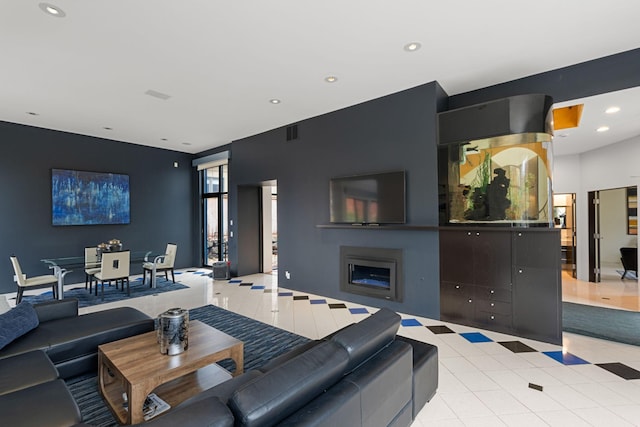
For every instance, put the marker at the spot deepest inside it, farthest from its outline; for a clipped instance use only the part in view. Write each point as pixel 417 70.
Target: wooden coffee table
pixel 136 367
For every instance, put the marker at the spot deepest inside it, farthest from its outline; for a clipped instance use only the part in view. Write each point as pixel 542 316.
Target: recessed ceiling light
pixel 31 113
pixel 412 47
pixel 331 79
pixel 612 110
pixel 107 128
pixel 163 139
pixel 602 129
pixel 52 10
pixel 275 101
pixel 186 143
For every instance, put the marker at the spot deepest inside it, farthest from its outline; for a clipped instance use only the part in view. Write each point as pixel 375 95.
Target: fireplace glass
pixel 374 272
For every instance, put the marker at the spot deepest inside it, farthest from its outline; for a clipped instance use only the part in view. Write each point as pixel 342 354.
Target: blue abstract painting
pixel 85 198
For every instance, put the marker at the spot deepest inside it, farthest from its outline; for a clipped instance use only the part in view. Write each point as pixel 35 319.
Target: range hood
pixel 513 120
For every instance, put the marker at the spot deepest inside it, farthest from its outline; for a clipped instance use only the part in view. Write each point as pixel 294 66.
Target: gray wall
pixel 162 199
pixel 396 132
pixel 393 132
pixel 607 74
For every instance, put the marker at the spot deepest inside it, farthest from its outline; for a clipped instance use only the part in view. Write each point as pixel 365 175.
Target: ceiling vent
pixel 518 119
pixel 292 132
pixel 157 94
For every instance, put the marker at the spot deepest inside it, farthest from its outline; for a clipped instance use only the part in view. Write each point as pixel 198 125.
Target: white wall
pixel 613 166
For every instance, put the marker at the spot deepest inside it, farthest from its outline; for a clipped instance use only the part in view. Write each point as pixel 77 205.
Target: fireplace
pixel 374 272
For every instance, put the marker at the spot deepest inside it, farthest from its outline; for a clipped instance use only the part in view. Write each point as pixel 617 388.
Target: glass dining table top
pixel 78 261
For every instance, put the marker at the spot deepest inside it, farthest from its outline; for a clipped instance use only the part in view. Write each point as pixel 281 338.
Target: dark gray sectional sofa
pixel 362 375
pixel 63 345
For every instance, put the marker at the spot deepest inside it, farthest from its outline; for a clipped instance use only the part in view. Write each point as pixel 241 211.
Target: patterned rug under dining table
pixel 136 367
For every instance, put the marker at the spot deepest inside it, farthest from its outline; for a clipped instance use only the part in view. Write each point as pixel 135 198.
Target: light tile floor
pixel 481 383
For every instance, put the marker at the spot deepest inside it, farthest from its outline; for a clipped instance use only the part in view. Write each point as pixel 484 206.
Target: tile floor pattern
pixel 486 378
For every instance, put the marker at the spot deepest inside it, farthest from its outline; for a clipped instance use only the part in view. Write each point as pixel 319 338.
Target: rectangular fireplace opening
pixel 375 272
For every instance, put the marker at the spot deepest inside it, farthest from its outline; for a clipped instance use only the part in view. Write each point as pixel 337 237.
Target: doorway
pixel 257 232
pixel 269 242
pixel 564 218
pixel 611 227
pixel 215 205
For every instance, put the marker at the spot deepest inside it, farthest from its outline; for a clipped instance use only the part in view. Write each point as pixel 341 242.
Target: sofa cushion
pixel 25 370
pixel 17 322
pixel 224 390
pixel 385 384
pixel 278 393
pixel 365 338
pixel 337 406
pixel 49 404
pixel 56 309
pixel 71 337
pixel 209 412
pixel 425 372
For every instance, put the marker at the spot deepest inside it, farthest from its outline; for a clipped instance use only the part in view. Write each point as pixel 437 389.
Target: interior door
pixel 594 236
pixel 249 230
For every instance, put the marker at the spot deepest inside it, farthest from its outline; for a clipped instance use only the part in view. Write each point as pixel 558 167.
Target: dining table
pixel 62 266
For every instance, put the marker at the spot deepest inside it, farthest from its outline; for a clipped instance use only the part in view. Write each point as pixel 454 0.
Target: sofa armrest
pixel 57 309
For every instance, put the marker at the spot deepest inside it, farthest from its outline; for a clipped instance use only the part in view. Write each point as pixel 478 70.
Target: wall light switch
pixel 287 275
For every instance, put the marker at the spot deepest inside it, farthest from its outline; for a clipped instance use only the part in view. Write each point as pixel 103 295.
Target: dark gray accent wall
pixel 602 75
pixel 163 206
pixel 396 132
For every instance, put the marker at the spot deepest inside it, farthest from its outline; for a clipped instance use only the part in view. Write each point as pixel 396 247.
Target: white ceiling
pixel 222 61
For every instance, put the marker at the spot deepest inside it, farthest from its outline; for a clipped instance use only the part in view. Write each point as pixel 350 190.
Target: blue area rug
pixel 111 294
pixel 262 342
pixel 599 322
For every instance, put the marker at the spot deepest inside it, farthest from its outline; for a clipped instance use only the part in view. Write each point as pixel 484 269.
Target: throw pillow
pixel 17 322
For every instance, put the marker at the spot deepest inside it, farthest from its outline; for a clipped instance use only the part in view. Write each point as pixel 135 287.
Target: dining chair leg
pixel 173 276
pixel 144 275
pixel 19 296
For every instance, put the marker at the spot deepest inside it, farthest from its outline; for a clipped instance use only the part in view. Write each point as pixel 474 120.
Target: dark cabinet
pixel 502 280
pixel 537 280
pixel 475 287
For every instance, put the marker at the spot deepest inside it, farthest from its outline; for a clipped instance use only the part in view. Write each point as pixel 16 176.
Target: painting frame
pixel 89 198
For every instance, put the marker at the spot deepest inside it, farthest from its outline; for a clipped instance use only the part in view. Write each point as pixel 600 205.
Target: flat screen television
pixel 368 199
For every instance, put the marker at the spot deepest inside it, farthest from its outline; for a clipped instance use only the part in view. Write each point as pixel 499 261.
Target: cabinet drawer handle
pixel 493 317
pixel 493 305
pixel 519 234
pixel 520 271
pixel 492 291
pixel 470 300
pixel 457 286
pixel 468 233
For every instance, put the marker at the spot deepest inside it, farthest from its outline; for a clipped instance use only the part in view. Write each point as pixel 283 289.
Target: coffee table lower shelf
pixel 173 392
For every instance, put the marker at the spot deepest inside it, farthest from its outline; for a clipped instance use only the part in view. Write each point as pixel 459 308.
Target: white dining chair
pixel 114 266
pixel 25 282
pixel 165 265
pixel 91 265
